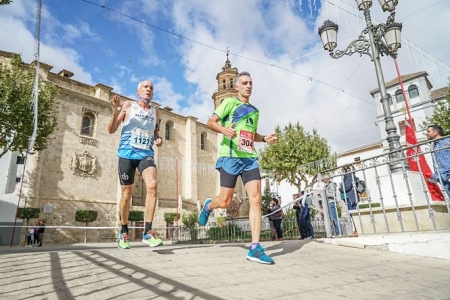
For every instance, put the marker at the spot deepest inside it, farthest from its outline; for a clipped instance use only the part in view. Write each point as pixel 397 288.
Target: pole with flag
pixel 416 162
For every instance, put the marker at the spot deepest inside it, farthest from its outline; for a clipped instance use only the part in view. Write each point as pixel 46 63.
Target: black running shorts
pixel 127 168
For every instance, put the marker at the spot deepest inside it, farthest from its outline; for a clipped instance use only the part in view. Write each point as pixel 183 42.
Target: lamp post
pixel 374 40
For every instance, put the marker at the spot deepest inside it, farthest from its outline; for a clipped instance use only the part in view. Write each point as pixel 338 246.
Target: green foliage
pixel 190 222
pixel 313 212
pixel 171 217
pixel 85 216
pixel 367 205
pixel 16 109
pixel 266 197
pixel 290 215
pixel 228 232
pixel 136 216
pixel 441 115
pixel 4 2
pixel 294 148
pixel 27 213
pixel 221 221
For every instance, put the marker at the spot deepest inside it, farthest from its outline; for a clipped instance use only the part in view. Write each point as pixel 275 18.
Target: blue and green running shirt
pixel 245 116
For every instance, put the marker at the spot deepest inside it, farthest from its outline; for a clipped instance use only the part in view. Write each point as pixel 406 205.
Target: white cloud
pixel 294 80
pixel 165 94
pixel 18 38
pixel 344 113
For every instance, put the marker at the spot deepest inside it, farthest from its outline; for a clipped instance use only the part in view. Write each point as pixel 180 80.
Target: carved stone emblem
pixel 83 164
pixel 88 141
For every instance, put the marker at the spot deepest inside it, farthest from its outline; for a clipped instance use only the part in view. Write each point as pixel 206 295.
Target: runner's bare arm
pixel 270 138
pixel 213 123
pixel 119 113
pixel 158 138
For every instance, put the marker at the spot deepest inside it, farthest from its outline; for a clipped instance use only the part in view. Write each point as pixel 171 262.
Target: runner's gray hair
pixel 244 73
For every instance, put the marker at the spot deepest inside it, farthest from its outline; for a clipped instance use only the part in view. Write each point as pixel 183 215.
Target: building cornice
pixel 362 149
pixel 405 78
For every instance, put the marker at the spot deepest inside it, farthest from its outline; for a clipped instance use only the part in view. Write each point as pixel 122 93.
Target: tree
pixel 294 149
pixel 4 2
pixel 266 197
pixel 171 217
pixel 441 115
pixel 135 216
pixel 85 216
pixel 190 222
pixel 28 213
pixel 16 109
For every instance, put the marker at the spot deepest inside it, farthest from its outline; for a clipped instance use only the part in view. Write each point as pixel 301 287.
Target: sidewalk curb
pixel 426 244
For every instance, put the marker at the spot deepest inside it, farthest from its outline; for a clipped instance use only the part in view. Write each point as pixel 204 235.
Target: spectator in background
pixel 348 192
pixel 330 192
pixel 277 217
pixel 36 234
pixel 348 188
pixel 306 214
pixel 272 226
pixel 441 155
pixel 41 229
pixel 30 236
pixel 298 207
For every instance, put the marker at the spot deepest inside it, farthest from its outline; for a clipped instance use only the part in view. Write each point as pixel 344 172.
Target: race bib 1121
pixel 141 139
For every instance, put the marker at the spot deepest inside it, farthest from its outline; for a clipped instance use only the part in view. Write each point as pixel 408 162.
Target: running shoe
pixel 123 241
pixel 258 255
pixel 150 239
pixel 204 214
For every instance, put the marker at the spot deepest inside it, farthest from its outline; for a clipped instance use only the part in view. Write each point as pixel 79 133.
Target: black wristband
pixel 264 139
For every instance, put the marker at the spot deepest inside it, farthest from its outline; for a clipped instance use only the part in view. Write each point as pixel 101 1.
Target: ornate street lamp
pixel 374 40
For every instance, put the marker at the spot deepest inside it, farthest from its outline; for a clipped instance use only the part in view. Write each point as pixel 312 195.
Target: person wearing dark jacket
pixel 348 188
pixel 298 217
pixel 41 229
pixel 349 194
pixel 277 217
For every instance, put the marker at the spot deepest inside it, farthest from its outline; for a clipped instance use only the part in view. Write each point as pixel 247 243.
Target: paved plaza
pixel 303 270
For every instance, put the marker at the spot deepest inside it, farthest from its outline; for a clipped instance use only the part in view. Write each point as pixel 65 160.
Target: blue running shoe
pixel 204 214
pixel 258 255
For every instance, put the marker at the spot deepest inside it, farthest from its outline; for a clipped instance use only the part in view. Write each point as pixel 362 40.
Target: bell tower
pixel 225 83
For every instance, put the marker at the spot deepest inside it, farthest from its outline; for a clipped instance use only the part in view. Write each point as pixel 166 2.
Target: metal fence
pixel 400 193
pixel 237 231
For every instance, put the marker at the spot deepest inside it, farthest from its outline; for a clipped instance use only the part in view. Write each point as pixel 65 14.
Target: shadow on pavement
pixel 177 286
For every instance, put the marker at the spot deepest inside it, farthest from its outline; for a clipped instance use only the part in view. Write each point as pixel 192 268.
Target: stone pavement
pixel 303 269
pixel 426 243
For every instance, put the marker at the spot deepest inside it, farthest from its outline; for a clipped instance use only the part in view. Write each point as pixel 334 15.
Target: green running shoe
pixel 123 241
pixel 150 239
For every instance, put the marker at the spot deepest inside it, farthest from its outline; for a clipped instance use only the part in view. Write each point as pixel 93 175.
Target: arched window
pixel 413 91
pixel 224 85
pixel 231 83
pixel 399 96
pixel 203 141
pixel 168 130
pixel 88 124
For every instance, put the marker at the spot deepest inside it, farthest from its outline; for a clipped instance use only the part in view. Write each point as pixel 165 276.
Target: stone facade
pixel 79 169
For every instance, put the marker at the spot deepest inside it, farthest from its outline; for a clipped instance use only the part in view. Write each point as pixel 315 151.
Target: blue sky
pixel 276 41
